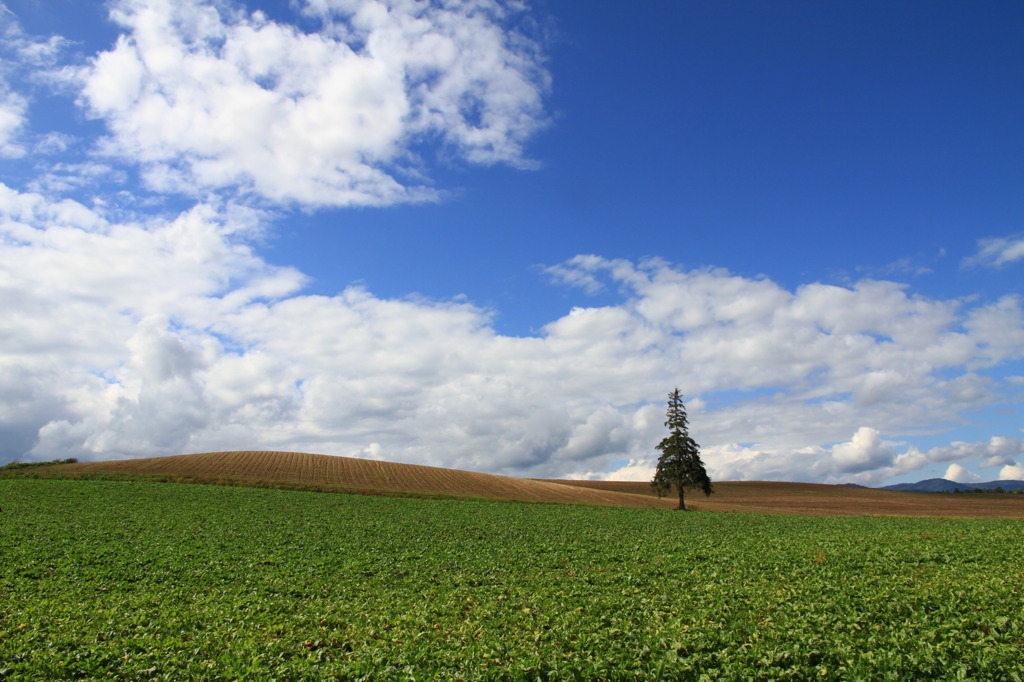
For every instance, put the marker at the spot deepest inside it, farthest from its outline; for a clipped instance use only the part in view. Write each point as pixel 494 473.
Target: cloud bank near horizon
pixel 136 331
pixel 172 335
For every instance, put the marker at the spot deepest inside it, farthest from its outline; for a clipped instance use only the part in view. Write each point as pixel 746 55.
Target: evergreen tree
pixel 679 465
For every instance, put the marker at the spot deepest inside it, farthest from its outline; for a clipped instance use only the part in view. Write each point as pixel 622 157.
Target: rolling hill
pixel 362 476
pixel 346 474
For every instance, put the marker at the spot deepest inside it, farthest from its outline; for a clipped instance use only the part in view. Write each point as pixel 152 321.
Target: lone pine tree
pixel 679 465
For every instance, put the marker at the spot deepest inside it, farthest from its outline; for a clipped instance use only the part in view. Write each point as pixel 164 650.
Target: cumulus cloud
pixel 80 297
pixel 861 459
pixel 997 451
pixel 1012 472
pixel 169 334
pixel 866 459
pixel 956 472
pixel 870 343
pixel 997 252
pixel 865 452
pixel 208 96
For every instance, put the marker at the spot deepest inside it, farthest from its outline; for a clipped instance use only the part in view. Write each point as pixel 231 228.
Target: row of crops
pixel 122 580
pixel 340 474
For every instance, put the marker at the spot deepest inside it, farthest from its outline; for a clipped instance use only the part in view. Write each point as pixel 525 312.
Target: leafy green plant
pixel 130 580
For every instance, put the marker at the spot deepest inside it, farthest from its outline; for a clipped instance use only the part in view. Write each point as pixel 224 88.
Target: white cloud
pixel 207 96
pixel 864 452
pixel 23 60
pixel 633 470
pixel 80 297
pixel 997 451
pixel 577 273
pixel 165 335
pixel 872 342
pixel 12 119
pixel 862 459
pixel 957 473
pixel 13 105
pixel 1012 472
pixel 997 252
pixel 996 323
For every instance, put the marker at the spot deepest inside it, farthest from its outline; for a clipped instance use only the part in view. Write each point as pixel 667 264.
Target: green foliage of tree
pixel 679 465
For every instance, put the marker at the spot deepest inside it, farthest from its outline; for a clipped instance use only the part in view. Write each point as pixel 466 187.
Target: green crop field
pixel 127 580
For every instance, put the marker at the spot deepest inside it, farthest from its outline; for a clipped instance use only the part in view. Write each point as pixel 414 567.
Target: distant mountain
pixel 942 485
pixel 931 485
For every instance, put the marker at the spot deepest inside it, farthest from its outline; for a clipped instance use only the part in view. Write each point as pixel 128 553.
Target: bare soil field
pixel 831 500
pixel 345 474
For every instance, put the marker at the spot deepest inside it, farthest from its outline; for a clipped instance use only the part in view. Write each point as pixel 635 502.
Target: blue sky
pixel 494 237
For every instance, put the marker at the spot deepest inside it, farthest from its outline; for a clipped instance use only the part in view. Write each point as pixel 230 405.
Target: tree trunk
pixel 682 505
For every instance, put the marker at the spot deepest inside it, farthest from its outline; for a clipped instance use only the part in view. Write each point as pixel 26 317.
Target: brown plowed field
pixel 345 474
pixel 830 500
